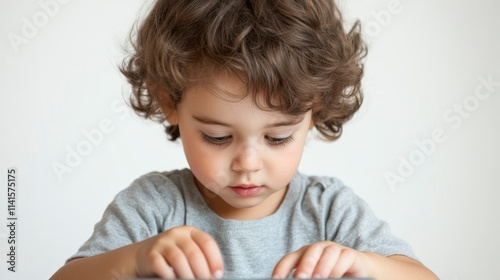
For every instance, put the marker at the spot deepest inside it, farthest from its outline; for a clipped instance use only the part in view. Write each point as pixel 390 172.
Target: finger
pixel 346 260
pixel 160 267
pixel 196 259
pixel 177 260
pixel 286 264
pixel 213 256
pixel 327 261
pixel 309 260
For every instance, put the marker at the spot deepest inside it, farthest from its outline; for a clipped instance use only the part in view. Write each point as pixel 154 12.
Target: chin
pixel 244 204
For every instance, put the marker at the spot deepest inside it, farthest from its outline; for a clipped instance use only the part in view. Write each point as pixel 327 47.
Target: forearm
pixel 398 267
pixel 114 264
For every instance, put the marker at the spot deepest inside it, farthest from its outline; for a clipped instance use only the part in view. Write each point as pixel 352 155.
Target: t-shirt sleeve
pixel 135 214
pixel 353 224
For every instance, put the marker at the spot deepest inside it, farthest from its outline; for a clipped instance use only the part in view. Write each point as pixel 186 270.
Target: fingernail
pixel 302 276
pixel 316 276
pixel 218 274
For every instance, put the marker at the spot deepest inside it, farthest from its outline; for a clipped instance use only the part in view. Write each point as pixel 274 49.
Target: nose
pixel 247 160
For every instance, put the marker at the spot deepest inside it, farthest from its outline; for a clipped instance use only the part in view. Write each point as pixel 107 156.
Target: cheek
pixel 205 163
pixel 198 159
pixel 285 164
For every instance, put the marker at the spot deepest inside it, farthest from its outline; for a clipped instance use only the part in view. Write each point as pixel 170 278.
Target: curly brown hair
pixel 295 54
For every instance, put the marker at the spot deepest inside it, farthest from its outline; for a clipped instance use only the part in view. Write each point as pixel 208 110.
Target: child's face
pixel 242 157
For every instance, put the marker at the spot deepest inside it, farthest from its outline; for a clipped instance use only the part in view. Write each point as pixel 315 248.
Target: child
pixel 242 83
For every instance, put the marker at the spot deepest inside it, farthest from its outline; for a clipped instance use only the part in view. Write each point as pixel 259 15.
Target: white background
pixel 426 58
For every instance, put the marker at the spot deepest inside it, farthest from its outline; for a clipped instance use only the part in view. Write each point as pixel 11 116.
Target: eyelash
pixel 273 141
pixel 216 141
pixel 279 142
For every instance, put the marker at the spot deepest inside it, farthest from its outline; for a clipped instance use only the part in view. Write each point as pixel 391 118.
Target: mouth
pixel 246 190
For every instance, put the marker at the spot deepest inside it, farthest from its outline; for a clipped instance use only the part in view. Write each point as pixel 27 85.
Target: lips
pixel 246 190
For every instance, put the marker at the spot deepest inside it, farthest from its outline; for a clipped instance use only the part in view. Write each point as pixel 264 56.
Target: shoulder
pixel 159 181
pixel 157 200
pixel 156 186
pixel 323 190
pixel 347 218
pixel 329 199
pixel 323 198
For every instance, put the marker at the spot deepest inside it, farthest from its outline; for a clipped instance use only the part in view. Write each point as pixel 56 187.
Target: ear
pixel 165 102
pixel 168 108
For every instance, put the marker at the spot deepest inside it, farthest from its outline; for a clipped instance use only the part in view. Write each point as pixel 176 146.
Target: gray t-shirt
pixel 314 209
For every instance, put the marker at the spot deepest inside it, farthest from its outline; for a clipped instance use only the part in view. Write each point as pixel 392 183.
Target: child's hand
pixel 323 260
pixel 181 252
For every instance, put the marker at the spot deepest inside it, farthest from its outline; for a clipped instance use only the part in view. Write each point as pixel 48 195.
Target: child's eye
pixel 218 141
pixel 277 141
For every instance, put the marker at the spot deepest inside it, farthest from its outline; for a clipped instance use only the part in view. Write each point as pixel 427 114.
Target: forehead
pixel 227 96
pixel 226 87
pixel 231 84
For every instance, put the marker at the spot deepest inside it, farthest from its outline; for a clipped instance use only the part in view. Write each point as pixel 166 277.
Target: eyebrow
pixel 209 121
